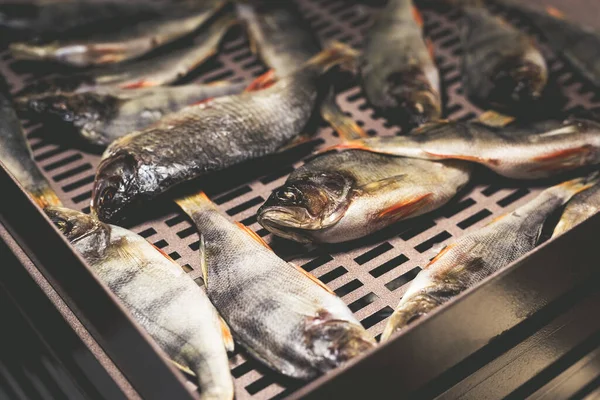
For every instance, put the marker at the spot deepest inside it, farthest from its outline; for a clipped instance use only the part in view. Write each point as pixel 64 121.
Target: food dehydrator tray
pixel 370 275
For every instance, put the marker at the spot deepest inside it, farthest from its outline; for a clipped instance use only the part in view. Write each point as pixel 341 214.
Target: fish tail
pixel 344 125
pixel 337 53
pixel 414 308
pixel 193 203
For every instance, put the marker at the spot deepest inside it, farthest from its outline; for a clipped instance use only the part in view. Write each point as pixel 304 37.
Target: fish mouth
pixel 285 222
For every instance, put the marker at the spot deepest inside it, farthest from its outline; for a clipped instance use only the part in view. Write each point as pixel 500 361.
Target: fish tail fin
pixel 414 308
pixel 337 53
pixel 45 196
pixel 191 204
pixel 344 125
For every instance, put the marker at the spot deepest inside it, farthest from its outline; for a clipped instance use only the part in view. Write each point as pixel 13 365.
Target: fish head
pixel 79 228
pixel 111 194
pixel 312 202
pixel 333 342
pixel 518 81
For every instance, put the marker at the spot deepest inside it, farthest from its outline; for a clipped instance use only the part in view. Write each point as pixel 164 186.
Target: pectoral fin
pixel 344 125
pixel 556 160
pixel 405 208
pixel 495 119
pixel 227 336
pixel 384 183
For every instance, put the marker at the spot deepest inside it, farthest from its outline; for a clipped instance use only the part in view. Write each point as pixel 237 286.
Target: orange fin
pixel 405 208
pixel 138 85
pixel 430 48
pixel 495 119
pixel 45 197
pixel 207 100
pixel 417 16
pixel 262 82
pixel 227 336
pixel 252 234
pixel 297 141
pixel 441 254
pixel 555 12
pixel 168 257
pixel 344 125
pixel 314 279
pixel 352 144
pixel 563 158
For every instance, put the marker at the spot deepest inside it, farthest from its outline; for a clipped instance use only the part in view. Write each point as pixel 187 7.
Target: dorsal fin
pixel 253 235
pixel 314 279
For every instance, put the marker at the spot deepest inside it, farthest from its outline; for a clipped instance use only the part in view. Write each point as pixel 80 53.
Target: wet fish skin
pixel 543 149
pixel 16 155
pixel 475 256
pixel 161 69
pixel 346 195
pixel 398 74
pixel 160 297
pixel 104 115
pixel 111 47
pixel 576 42
pixel 206 138
pixel 578 209
pixel 279 313
pixel 501 66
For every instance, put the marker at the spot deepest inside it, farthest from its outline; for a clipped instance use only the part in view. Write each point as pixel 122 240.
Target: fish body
pixel 104 115
pixel 206 138
pixel 345 195
pixel 580 208
pixel 475 256
pixel 160 69
pixel 120 45
pixel 16 156
pixel 501 66
pixel 279 313
pixel 578 43
pixel 399 75
pixel 536 150
pixel 160 297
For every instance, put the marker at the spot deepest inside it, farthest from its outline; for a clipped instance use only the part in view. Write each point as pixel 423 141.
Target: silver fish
pixel 106 114
pixel 345 195
pixel 475 256
pixel 281 314
pixel 160 297
pixel 16 156
pixel 529 151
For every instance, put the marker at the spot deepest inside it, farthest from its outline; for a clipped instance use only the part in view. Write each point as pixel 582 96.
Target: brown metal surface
pixel 370 275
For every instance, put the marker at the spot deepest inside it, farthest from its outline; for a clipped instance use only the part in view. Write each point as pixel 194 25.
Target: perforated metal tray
pixel 370 275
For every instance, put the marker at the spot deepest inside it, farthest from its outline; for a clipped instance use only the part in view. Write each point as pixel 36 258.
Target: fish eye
pixel 106 195
pixel 289 194
pixel 64 226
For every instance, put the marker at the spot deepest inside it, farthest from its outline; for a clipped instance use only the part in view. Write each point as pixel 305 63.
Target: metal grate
pixel 370 275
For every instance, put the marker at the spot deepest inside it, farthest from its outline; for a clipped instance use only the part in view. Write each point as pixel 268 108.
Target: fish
pixel 160 297
pixel 345 195
pixel 16 156
pixel 473 257
pixel 580 208
pixel 282 315
pixel 576 42
pixel 55 18
pixel 501 66
pixel 285 41
pixel 398 72
pixel 119 45
pixel 208 137
pixel 529 150
pixel 104 115
pixel 157 70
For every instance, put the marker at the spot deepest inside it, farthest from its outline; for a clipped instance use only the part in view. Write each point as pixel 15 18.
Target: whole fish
pixel 578 43
pixel 160 69
pixel 16 155
pixel 580 208
pixel 501 66
pixel 345 195
pixel 543 149
pixel 123 44
pixel 475 256
pixel 106 114
pixel 208 137
pixel 285 41
pixel 160 297
pixel 282 315
pixel 399 75
pixel 49 18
